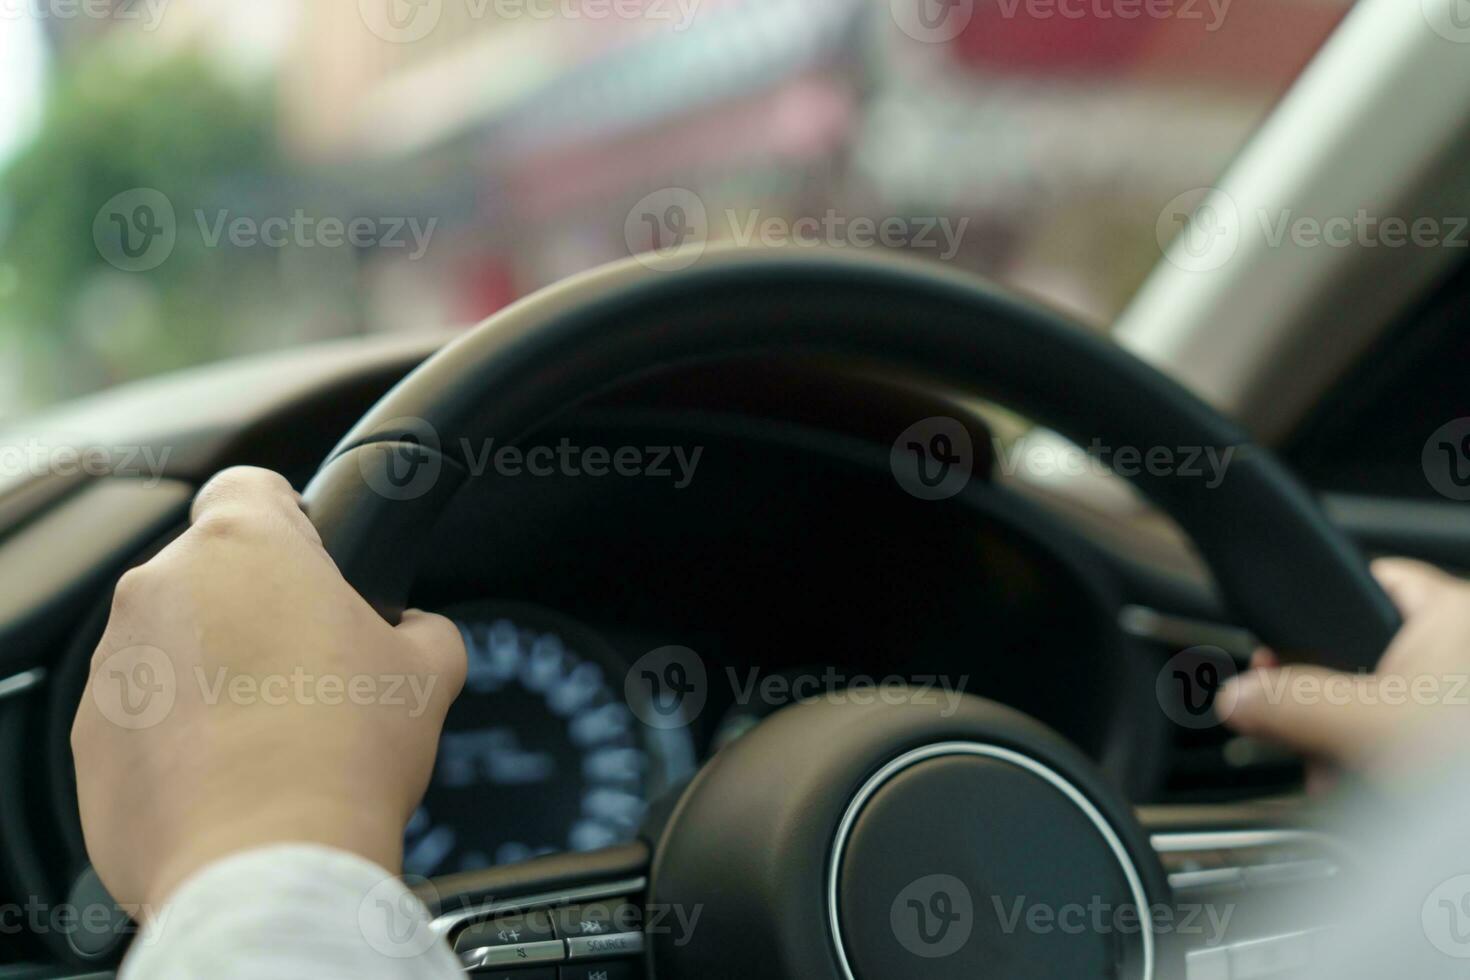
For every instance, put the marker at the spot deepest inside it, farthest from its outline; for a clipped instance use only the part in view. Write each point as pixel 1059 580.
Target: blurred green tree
pixel 114 124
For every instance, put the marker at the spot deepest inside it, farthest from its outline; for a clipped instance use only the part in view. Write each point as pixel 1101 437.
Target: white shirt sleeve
pixel 286 911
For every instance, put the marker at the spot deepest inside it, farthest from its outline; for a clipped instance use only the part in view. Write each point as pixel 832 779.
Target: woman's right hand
pixel 1354 721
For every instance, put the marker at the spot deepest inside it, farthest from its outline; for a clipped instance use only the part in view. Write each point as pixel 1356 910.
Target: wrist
pixel 356 829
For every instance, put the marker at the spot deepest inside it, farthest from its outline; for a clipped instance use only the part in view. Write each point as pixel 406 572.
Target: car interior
pixel 949 576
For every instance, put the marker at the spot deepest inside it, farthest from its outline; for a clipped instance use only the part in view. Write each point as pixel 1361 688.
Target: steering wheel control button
pixel 609 970
pixel 598 918
pixel 507 930
pixel 603 947
pixel 520 954
pixel 969 860
pixel 507 941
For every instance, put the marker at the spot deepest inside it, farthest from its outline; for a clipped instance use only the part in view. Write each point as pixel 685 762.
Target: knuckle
pixel 251 480
pixel 242 502
pixel 442 649
pixel 131 586
pixel 449 635
pixel 246 479
pixel 236 486
pixel 220 526
pixel 99 657
pixel 448 642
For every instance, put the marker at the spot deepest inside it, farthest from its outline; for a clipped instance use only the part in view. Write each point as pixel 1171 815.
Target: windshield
pixel 188 181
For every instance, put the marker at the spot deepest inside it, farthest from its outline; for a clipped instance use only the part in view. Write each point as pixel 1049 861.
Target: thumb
pixel 1413 585
pixel 1315 711
pixel 440 649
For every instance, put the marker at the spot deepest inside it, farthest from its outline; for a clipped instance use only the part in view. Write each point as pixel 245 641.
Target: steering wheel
pixel 837 842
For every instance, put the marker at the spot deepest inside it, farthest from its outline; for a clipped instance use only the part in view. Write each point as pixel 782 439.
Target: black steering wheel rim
pixel 1284 571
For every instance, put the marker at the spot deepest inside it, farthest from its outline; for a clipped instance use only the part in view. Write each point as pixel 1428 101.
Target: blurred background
pixel 485 148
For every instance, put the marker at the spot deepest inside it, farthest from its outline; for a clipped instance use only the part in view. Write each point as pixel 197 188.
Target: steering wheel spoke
pixel 573 916
pixel 1248 894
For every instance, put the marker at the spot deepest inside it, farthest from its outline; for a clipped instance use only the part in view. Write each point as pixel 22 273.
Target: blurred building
pixel 1056 136
pixel 524 132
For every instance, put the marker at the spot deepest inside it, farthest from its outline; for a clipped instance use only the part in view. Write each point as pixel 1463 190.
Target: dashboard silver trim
pixel 984 750
pixel 442 925
pixel 1147 623
pixel 1172 842
pixel 1266 873
pixel 1284 954
pixel 22 682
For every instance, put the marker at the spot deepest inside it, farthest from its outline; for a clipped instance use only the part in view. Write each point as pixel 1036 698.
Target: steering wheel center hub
pixel 889 841
pixel 962 859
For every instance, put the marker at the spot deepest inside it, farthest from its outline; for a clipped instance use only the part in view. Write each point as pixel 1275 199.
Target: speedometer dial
pixel 540 753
